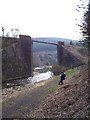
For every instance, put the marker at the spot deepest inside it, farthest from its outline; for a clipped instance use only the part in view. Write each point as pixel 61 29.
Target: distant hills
pixel 48 47
pixel 54 39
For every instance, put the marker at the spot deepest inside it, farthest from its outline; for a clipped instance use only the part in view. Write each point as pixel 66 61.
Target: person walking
pixel 62 77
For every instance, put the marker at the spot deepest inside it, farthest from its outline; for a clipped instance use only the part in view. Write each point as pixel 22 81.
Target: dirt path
pixel 27 102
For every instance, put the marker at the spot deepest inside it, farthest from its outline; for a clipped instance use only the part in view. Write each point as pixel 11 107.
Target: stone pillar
pixel 1 77
pixel 26 46
pixel 60 52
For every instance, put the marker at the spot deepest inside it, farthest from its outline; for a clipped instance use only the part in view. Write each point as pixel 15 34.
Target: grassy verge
pixel 71 72
pixel 54 84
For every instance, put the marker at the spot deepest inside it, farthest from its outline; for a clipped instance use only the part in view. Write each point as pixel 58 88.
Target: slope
pixel 69 101
pixel 80 52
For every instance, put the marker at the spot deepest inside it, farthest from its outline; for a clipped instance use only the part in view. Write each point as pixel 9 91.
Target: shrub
pixel 57 69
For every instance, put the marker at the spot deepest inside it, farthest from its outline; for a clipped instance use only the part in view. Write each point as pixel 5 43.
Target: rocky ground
pixel 14 92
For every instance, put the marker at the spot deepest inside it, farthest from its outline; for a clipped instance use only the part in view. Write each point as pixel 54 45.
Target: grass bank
pixel 52 84
pixel 71 72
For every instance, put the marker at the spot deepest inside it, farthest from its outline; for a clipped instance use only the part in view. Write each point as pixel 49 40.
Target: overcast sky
pixel 41 18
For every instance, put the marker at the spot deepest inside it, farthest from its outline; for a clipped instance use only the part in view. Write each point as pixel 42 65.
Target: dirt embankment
pixel 80 52
pixel 69 101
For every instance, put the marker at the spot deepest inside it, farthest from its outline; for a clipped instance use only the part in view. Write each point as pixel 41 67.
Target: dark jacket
pixel 63 76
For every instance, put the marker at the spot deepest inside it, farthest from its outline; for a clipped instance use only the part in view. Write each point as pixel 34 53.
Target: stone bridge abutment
pixel 17 57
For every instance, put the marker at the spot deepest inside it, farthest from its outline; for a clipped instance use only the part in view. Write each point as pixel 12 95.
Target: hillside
pixel 80 52
pixel 43 58
pixel 69 101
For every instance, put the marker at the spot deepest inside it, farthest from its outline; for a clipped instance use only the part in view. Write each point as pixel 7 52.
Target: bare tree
pixel 3 30
pixel 15 32
pixel 12 31
pixel 7 34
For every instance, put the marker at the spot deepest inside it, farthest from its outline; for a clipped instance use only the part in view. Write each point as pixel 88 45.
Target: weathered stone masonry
pixel 16 57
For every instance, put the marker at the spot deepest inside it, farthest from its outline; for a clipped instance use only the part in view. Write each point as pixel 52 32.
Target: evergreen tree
pixel 85 24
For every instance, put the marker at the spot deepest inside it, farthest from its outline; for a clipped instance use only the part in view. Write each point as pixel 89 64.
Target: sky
pixel 41 18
